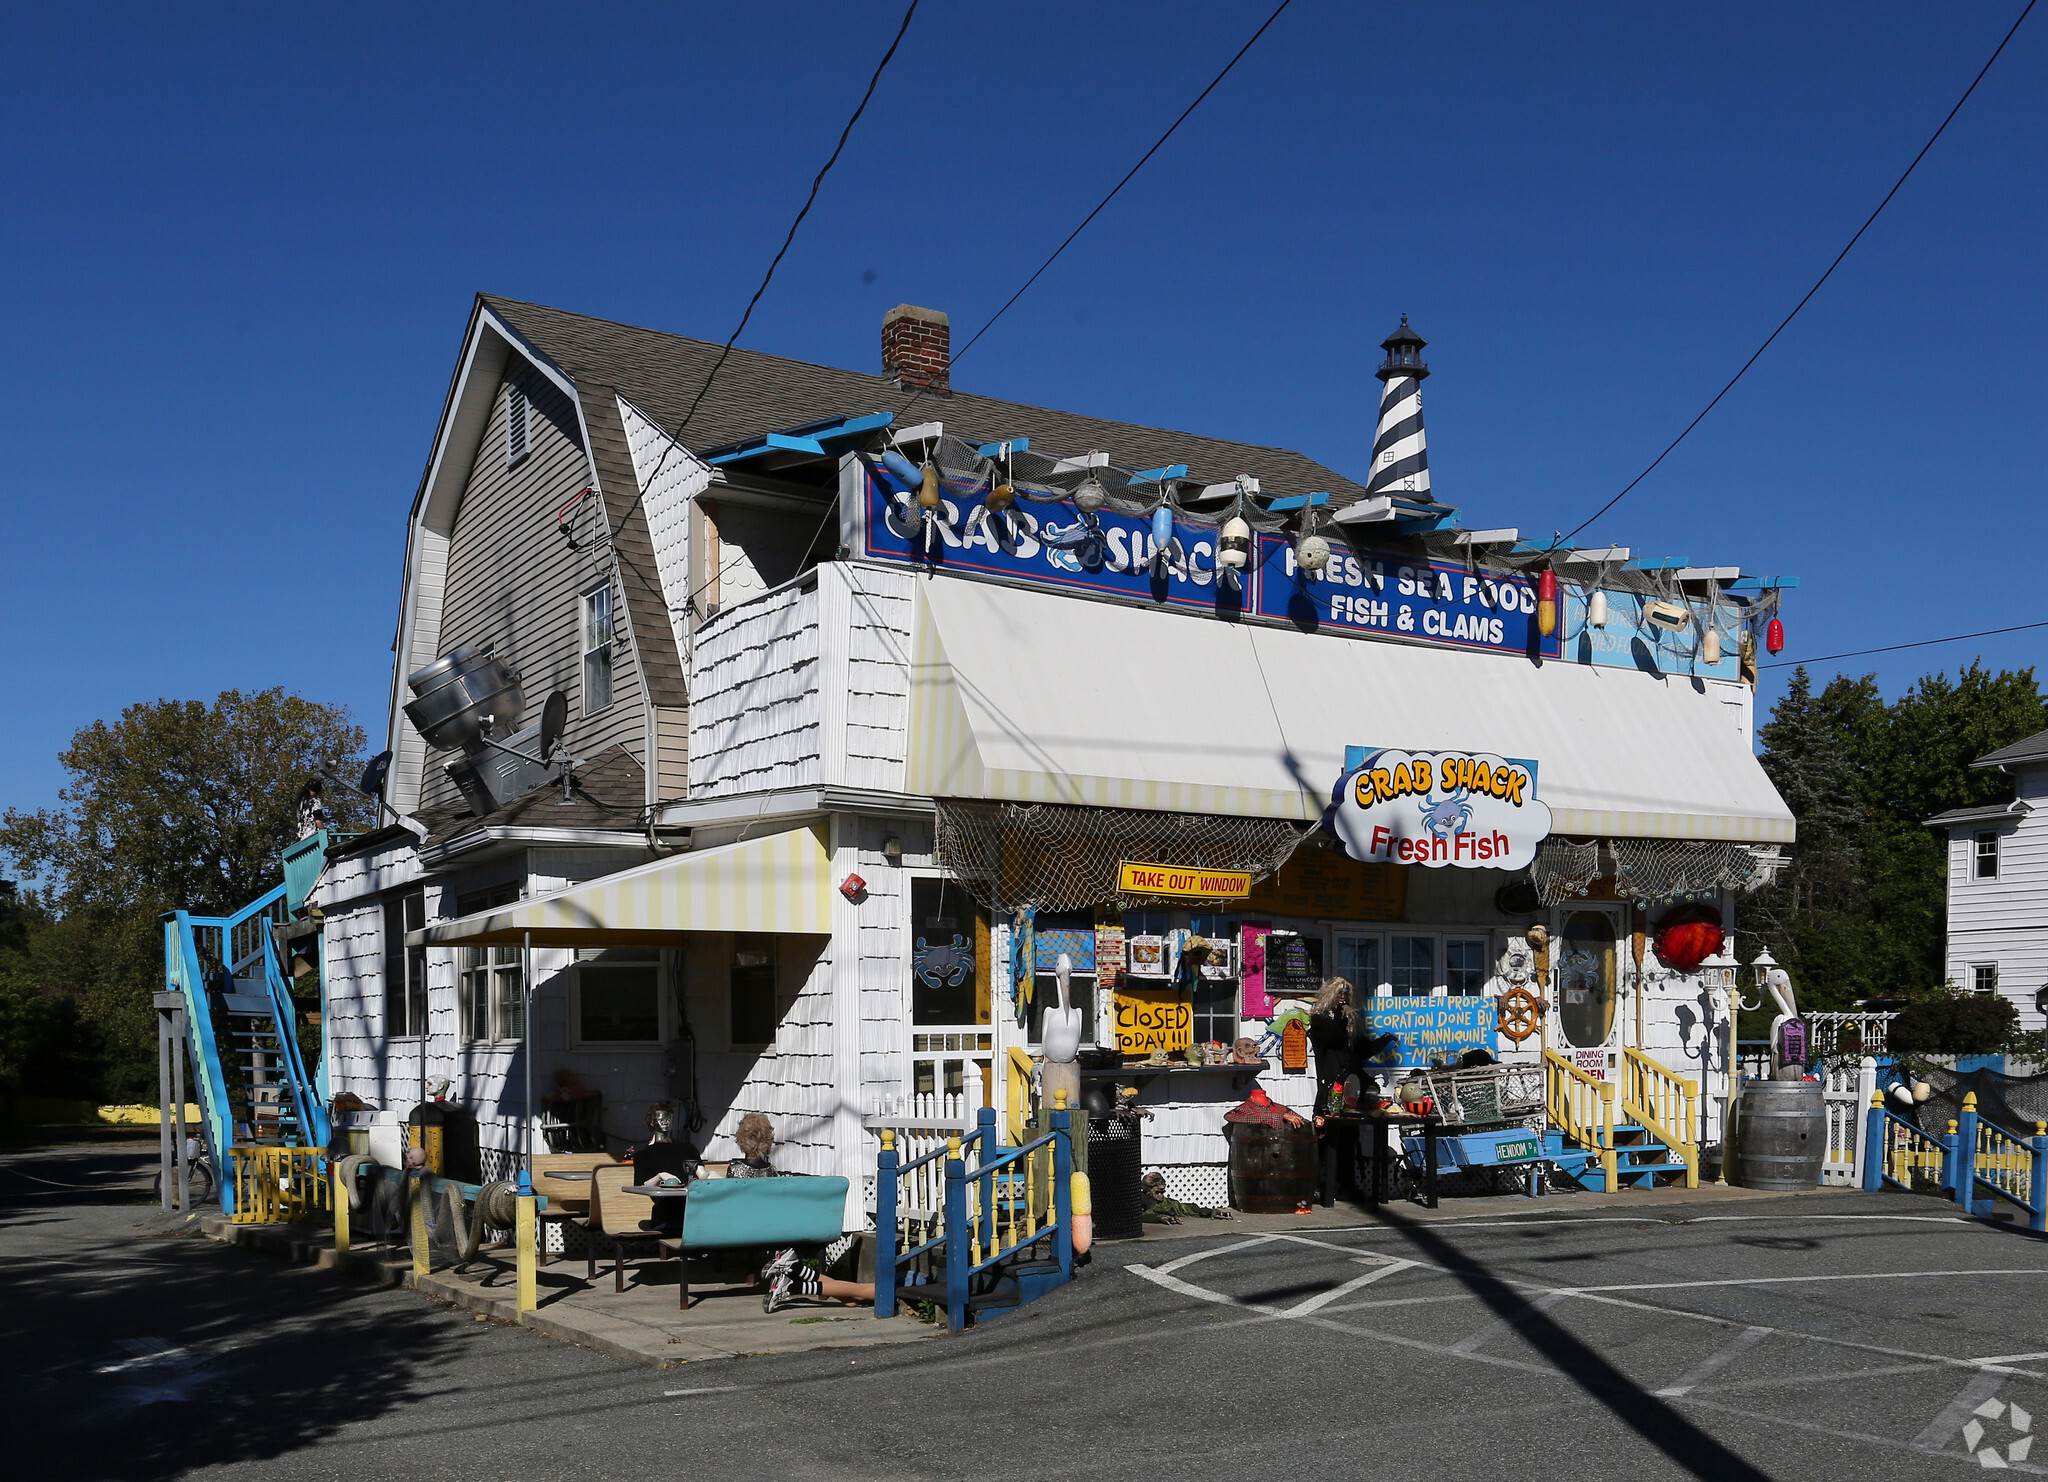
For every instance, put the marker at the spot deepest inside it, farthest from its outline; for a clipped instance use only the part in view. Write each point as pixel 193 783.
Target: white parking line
pixel 709 1389
pixel 1673 1286
pixel 1715 1362
pixel 1942 1429
pixel 1472 1342
pixel 1221 1250
pixel 1323 1299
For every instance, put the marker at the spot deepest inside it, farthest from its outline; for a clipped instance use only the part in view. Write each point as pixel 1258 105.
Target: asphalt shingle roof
pixel 756 393
pixel 2033 749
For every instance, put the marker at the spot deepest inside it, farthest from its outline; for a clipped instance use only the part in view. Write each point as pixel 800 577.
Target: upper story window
pixel 597 649
pixel 518 424
pixel 405 968
pixel 1986 867
pixel 1984 977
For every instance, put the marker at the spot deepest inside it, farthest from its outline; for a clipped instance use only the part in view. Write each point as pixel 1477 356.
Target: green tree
pixel 1861 910
pixel 178 805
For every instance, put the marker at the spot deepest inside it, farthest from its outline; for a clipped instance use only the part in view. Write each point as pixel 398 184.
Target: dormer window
pixel 518 424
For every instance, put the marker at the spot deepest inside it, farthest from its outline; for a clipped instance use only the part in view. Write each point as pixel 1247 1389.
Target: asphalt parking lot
pixel 1846 1336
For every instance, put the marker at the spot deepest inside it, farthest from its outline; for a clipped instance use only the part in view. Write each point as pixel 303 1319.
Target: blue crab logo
pixel 1448 816
pixel 1076 546
pixel 947 965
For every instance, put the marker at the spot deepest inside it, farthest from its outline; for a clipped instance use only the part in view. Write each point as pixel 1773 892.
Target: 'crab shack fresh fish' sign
pixel 1464 809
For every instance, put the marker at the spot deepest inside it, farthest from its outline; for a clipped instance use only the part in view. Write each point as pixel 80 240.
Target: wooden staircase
pixel 1650 1145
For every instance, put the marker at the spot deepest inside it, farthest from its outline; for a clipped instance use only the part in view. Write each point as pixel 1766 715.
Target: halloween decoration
pixel 1688 936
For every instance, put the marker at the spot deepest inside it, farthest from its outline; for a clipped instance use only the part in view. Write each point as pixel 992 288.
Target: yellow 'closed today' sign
pixel 1149 1019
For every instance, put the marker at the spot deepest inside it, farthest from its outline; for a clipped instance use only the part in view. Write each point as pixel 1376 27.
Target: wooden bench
pixel 568 1199
pixel 616 1219
pixel 758 1214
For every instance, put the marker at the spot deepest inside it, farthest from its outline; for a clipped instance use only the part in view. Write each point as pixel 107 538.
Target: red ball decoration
pixel 1688 936
pixel 1774 637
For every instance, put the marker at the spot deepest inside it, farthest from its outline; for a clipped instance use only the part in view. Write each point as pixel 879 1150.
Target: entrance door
pixel 1587 963
pixel 950 1031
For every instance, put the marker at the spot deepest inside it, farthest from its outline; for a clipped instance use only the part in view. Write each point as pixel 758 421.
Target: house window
pixel 1984 977
pixel 754 1009
pixel 518 424
pixel 1465 966
pixel 597 649
pixel 618 995
pixel 949 957
pixel 1072 932
pixel 1411 969
pixel 1215 1005
pixel 405 968
pixel 1987 856
pixel 493 994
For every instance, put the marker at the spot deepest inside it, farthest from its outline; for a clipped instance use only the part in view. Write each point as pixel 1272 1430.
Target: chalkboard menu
pixel 1294 965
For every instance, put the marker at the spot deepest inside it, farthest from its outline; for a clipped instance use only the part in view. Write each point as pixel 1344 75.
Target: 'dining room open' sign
pixel 1185 882
pixel 1149 1019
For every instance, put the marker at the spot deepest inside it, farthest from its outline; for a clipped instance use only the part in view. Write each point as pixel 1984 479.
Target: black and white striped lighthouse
pixel 1400 453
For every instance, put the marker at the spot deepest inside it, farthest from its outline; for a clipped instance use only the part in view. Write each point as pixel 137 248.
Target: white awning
pixel 1036 698
pixel 780 883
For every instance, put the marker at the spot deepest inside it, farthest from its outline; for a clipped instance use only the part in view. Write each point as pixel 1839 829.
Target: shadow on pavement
pixel 138 1357
pixel 1689 1448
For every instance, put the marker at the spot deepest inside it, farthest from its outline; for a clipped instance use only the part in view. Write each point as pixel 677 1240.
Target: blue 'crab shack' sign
pixel 1049 545
pixel 1464 809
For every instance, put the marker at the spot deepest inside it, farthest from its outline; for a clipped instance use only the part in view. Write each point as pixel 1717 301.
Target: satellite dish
pixel 372 785
pixel 554 715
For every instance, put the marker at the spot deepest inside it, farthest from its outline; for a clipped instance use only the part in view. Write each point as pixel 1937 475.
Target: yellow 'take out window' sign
pixel 1187 882
pixel 1149 1019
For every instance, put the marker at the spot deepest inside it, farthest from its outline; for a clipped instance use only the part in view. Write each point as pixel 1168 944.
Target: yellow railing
pixel 2003 1161
pixel 1665 1104
pixel 1582 1108
pixel 278 1185
pixel 1906 1155
pixel 1017 1067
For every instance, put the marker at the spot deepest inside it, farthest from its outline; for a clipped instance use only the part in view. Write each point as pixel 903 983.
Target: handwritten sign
pixel 1427 1029
pixel 1182 882
pixel 1294 965
pixel 1149 1019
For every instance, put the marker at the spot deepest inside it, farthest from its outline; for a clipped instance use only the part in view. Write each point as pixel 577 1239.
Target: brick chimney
pixel 917 347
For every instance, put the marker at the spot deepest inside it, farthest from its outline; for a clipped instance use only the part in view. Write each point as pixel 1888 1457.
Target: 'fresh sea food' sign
pixel 1401 596
pixel 1463 809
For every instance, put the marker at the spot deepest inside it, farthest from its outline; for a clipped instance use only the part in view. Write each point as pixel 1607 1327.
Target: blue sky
pixel 239 247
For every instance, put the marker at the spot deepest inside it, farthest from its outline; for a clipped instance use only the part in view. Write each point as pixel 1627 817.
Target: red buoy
pixel 1774 637
pixel 1546 602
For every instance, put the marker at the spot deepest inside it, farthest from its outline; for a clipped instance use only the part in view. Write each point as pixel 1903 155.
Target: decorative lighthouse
pixel 1400 454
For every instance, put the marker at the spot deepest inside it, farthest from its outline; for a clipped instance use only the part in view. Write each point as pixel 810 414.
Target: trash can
pixel 1116 1172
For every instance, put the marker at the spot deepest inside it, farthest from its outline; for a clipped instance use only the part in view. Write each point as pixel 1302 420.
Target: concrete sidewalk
pixel 641 1325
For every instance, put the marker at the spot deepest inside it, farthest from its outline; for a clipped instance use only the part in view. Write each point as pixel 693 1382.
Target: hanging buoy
pixel 1774 637
pixel 928 487
pixel 1162 527
pixel 1312 553
pixel 1546 602
pixel 1710 647
pixel 1234 545
pixel 1000 498
pixel 1596 609
pixel 904 471
pixel 1091 495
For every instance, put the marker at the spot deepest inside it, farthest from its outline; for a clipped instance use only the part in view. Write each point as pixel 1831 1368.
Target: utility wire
pixel 1129 175
pixel 1895 647
pixel 1809 292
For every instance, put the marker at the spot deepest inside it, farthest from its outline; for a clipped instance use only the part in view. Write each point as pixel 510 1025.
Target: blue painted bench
pixel 758 1214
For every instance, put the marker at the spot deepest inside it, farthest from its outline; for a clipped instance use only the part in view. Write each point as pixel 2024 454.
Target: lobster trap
pixel 1484 1095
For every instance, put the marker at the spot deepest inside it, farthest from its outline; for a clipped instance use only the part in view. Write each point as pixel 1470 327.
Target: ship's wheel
pixel 1520 1013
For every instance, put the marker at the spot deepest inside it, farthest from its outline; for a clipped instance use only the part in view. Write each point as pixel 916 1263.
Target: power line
pixel 1895 647
pixel 1809 292
pixel 1157 145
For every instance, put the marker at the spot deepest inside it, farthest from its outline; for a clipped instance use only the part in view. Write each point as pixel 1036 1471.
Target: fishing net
pixel 1059 857
pixel 2011 1103
pixel 1649 870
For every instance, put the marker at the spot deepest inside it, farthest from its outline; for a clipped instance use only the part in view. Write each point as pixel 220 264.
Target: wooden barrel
pixel 1781 1136
pixel 1272 1169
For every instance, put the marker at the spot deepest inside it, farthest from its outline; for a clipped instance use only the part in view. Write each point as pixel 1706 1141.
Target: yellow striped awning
pixel 781 883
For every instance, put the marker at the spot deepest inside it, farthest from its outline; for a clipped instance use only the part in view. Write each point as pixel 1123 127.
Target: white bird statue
pixel 1061 1035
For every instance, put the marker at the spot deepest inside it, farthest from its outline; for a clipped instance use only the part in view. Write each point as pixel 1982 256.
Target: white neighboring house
pixel 1998 885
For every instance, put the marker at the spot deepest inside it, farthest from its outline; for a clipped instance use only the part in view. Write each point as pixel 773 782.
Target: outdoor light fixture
pixel 892 849
pixel 1718 971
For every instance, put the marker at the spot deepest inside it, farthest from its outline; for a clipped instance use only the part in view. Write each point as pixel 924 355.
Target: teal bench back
pixel 728 1212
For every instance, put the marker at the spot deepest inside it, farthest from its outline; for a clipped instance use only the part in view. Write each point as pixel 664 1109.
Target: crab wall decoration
pixel 947 965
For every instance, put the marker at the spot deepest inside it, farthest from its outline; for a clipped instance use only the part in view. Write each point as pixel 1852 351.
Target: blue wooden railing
pixel 1011 1199
pixel 199 950
pixel 1974 1158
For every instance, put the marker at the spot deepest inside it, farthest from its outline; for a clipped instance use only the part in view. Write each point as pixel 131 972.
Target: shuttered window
pixel 518 423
